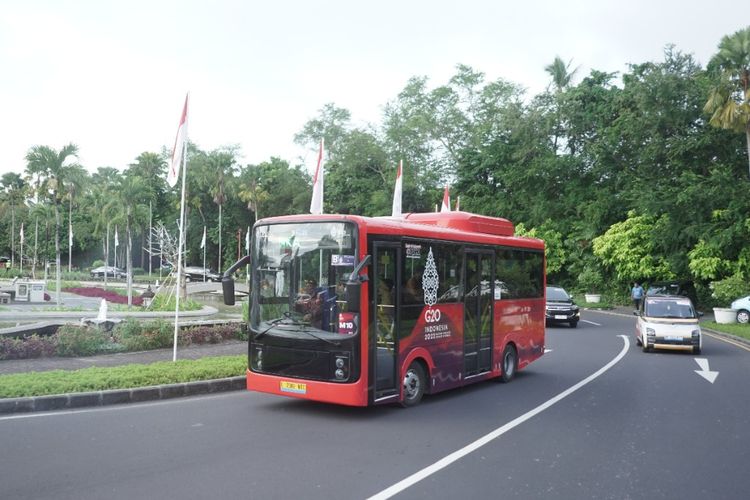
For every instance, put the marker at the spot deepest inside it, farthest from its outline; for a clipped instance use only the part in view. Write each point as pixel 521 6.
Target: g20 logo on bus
pixel 432 315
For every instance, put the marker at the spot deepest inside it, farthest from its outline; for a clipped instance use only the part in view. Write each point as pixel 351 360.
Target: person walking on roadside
pixel 636 294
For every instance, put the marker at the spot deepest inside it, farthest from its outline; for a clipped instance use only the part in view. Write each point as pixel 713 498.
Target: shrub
pixel 73 340
pixel 727 290
pixel 136 336
pixel 165 302
pixel 205 334
pixel 108 295
pixel 30 346
pixel 97 263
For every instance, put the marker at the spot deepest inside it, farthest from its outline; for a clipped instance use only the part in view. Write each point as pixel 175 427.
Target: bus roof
pixel 453 226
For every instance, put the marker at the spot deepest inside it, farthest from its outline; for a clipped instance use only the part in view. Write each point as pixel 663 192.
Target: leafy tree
pixel 628 248
pixel 729 100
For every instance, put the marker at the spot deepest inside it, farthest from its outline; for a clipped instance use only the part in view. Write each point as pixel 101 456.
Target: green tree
pixel 627 247
pixel 729 100
pixel 132 202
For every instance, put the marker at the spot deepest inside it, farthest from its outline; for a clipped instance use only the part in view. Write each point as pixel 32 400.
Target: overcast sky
pixel 111 77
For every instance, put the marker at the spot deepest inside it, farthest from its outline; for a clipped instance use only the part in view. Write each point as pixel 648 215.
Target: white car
pixel 743 309
pixel 668 322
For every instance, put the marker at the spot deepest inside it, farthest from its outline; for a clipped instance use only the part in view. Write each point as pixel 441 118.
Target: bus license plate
pixel 294 387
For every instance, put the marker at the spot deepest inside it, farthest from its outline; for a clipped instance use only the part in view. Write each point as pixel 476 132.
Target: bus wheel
pixel 414 385
pixel 510 363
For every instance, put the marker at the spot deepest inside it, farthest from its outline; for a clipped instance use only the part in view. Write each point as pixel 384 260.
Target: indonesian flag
pixel 446 207
pixel 178 151
pixel 203 241
pixel 316 204
pixel 397 191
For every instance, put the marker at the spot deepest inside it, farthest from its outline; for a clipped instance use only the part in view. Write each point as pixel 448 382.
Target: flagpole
pixel 179 252
pixel 203 244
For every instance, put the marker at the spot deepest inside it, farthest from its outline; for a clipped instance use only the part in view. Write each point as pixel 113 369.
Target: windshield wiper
pixel 274 322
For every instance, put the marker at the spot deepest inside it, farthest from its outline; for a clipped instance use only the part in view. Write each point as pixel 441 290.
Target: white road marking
pixel 704 371
pixel 590 322
pixel 487 438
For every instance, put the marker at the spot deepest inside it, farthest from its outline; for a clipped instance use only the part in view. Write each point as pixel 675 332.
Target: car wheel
pixel 414 385
pixel 645 347
pixel 696 349
pixel 743 316
pixel 574 324
pixel 510 363
pixel 637 340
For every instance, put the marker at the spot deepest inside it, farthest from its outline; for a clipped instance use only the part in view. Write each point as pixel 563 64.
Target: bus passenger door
pixel 478 296
pixel 384 311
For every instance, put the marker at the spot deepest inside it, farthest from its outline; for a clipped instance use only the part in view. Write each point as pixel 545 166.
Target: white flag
pixel 180 142
pixel 21 233
pixel 247 240
pixel 397 191
pixel 316 204
pixel 70 236
pixel 203 241
pixel 117 242
pixel 446 207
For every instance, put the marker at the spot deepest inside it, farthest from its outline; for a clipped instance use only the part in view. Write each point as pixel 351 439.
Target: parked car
pixel 198 273
pixel 743 309
pixel 668 322
pixel 560 307
pixel 111 271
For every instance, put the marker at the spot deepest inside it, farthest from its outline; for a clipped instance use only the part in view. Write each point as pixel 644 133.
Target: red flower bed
pixel 110 296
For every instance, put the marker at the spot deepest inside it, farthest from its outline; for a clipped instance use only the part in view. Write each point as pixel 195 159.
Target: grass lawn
pixel 120 377
pixel 731 328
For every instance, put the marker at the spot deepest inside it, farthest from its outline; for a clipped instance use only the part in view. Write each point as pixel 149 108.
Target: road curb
pixel 119 396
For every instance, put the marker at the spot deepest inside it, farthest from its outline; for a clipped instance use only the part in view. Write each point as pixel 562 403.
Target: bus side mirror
pixel 227 288
pixel 227 281
pixel 354 286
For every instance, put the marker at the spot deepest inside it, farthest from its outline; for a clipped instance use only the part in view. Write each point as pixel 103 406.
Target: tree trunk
pixel 58 278
pixel 129 263
pixel 747 137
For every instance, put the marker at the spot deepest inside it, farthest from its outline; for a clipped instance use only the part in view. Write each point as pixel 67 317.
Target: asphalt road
pixel 594 418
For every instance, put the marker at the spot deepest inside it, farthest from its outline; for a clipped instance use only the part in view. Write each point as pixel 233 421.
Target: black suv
pixel 561 308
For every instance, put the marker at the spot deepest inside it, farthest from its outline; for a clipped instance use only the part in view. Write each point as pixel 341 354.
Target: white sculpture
pixel 102 316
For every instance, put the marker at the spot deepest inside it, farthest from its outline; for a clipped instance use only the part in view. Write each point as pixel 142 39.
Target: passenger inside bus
pixel 309 302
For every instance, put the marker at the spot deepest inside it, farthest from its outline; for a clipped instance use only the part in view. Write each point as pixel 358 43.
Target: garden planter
pixel 593 298
pixel 725 315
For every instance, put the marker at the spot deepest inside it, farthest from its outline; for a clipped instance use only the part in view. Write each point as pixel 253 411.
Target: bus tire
pixel 510 363
pixel 414 385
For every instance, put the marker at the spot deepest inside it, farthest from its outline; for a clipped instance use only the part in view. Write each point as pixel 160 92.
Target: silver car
pixel 668 322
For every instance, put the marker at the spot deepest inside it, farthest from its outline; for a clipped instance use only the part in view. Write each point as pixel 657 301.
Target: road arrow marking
pixel 704 371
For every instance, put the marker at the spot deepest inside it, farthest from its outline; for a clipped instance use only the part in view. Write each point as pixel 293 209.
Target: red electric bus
pixel 362 311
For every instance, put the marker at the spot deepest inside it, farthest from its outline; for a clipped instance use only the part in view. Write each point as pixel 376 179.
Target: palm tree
pixel 561 78
pixel 729 101
pixel 46 213
pixel 132 193
pixel 253 193
pixel 48 168
pixel 219 165
pixel 75 179
pixel 13 189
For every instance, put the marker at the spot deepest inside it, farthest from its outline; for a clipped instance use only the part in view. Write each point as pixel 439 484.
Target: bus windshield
pixel 299 274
